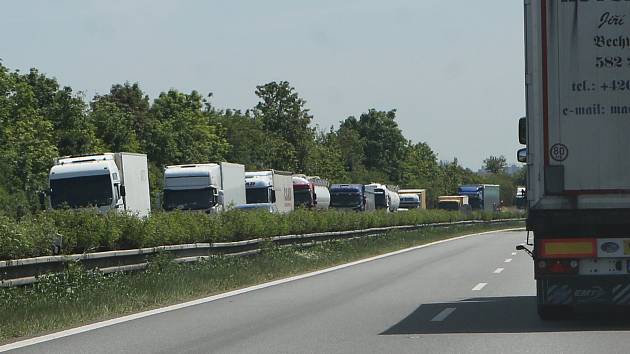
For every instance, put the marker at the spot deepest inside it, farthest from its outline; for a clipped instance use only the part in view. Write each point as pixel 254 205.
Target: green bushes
pixel 88 231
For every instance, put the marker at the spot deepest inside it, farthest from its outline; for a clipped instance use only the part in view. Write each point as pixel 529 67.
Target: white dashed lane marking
pixel 479 286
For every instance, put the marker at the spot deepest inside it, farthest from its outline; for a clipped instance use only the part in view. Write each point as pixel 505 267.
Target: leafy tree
pixel 26 142
pixel 451 175
pixel 419 168
pixel 282 112
pixel 382 141
pixel 73 132
pixel 494 164
pixel 350 144
pixel 325 160
pixel 114 127
pixel 130 99
pixel 254 147
pixel 182 133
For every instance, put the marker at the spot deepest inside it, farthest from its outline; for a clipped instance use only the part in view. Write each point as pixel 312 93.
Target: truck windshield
pixel 77 192
pixel 189 199
pixel 379 198
pixel 448 205
pixel 257 195
pixel 345 199
pixel 302 197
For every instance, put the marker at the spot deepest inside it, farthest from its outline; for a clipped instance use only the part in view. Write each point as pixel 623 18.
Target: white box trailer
pixel 283 189
pixel 211 187
pixel 110 181
pixel 271 190
pixel 578 171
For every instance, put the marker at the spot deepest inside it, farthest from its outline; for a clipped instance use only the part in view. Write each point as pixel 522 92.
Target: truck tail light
pixel 557 266
pixel 569 248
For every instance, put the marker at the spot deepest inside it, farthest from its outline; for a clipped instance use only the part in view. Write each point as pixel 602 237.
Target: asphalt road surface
pixel 473 295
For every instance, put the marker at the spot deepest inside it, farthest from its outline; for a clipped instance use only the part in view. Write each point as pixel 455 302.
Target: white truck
pixel 209 187
pixel 271 190
pixel 410 203
pixel 110 181
pixel 385 197
pixel 578 171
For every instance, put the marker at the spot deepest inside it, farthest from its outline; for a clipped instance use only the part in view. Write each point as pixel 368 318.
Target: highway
pixel 471 295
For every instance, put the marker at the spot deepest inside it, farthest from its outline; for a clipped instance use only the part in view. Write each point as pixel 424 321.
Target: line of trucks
pixel 119 181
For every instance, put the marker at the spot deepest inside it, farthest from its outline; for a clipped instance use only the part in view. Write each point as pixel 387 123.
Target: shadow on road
pixel 501 315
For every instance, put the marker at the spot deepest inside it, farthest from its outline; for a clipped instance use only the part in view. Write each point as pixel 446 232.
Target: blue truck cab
pixel 484 197
pixel 352 197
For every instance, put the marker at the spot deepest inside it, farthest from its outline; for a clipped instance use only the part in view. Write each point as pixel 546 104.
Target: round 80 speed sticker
pixel 559 152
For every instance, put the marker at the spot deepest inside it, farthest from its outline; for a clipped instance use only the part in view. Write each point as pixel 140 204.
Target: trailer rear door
pixel 586 85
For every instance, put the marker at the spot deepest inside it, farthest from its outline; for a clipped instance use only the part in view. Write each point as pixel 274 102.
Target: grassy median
pixel 79 297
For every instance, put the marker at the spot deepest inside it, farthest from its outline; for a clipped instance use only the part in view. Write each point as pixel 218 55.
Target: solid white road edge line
pixel 479 286
pixel 498 270
pixel 97 325
pixel 443 314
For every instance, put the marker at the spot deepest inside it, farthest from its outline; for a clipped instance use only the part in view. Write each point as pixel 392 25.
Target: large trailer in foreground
pixel 576 132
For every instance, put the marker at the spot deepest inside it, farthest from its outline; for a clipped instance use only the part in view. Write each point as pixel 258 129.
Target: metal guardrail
pixel 28 270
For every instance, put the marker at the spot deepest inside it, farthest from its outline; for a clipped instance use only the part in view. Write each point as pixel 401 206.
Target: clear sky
pixel 452 69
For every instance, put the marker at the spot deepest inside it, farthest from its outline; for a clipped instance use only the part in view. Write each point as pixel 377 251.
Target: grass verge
pixel 78 297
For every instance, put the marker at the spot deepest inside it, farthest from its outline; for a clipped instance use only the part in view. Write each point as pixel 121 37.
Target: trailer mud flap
pixel 584 291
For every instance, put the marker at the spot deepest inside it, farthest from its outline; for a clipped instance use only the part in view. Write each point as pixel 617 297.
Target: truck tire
pixel 553 313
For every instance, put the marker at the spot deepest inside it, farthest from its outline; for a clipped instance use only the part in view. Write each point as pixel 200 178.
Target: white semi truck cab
pixel 109 181
pixel 271 187
pixel 210 187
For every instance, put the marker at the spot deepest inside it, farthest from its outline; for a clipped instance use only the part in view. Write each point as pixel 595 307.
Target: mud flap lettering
pixel 621 294
pixel 559 295
pixel 582 292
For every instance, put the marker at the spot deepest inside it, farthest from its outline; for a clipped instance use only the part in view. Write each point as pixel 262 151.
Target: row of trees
pixel 39 120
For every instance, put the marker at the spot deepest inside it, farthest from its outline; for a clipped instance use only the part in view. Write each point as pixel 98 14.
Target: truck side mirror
pixel 522 131
pixel 521 155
